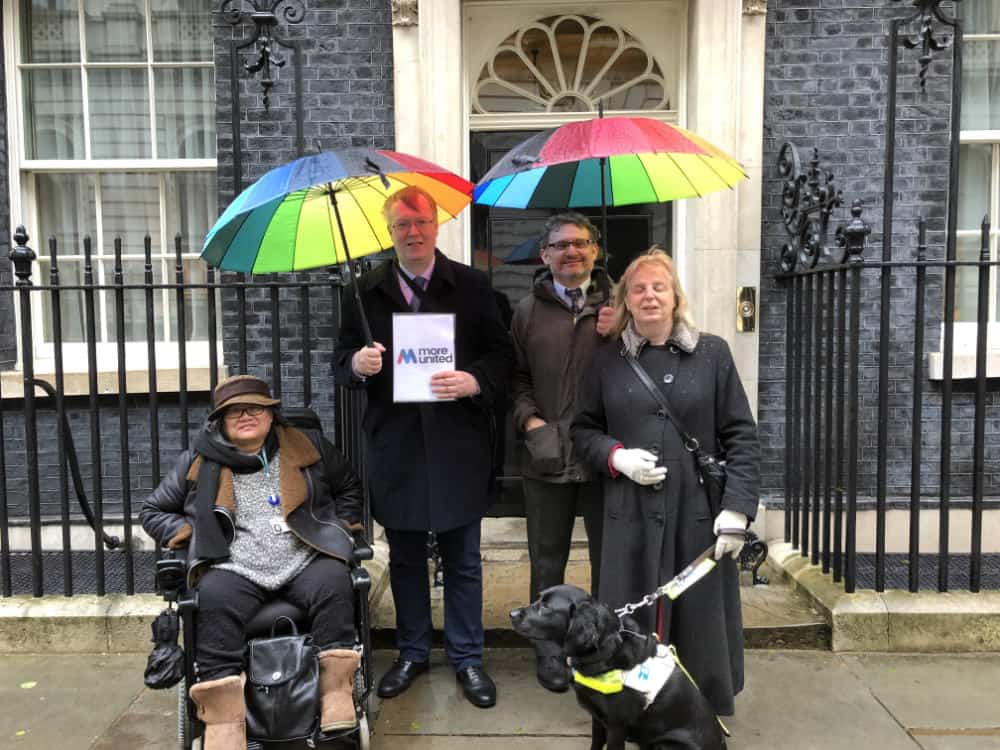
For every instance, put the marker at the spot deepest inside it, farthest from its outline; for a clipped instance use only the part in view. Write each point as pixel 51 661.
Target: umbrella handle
pixel 362 315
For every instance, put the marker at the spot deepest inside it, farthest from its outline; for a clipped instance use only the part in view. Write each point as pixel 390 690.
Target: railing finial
pixel 22 256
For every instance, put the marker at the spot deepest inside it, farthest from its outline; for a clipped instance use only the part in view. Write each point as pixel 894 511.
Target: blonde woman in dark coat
pixel 656 513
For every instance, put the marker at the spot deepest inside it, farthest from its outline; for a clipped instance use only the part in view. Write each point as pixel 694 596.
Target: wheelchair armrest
pixel 170 575
pixel 362 549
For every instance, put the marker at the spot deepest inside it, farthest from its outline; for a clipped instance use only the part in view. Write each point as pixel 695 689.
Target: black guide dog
pixel 598 645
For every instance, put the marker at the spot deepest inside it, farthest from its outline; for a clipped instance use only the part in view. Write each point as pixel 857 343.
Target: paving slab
pixel 435 705
pixel 809 700
pixel 910 686
pixel 65 701
pixel 150 723
pixel 956 742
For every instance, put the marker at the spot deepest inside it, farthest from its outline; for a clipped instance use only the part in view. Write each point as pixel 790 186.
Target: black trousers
pixel 551 510
pixel 227 601
pixel 463 594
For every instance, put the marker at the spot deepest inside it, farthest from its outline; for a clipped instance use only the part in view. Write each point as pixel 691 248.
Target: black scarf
pixel 216 452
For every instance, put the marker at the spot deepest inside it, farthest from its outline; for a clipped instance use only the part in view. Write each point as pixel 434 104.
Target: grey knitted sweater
pixel 264 551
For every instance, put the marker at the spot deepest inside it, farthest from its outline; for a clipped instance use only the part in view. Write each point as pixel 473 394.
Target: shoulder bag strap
pixel 690 442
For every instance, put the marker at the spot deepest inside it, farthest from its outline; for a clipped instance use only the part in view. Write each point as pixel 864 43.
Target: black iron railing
pixel 271 328
pixel 835 411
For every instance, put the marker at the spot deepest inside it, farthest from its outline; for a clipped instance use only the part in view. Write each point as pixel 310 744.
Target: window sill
pixel 136 382
pixel 963 365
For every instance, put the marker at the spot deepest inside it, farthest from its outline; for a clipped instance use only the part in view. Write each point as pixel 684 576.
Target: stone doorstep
pixel 894 621
pixel 109 624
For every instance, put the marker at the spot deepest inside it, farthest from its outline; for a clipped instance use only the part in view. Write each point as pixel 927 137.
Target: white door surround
pixel 439 48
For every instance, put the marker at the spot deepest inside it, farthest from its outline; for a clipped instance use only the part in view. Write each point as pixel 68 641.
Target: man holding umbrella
pixel 431 463
pixel 556 329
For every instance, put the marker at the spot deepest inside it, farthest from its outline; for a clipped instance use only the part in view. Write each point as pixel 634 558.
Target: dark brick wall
pixel 825 87
pixel 139 450
pixel 346 48
pixel 8 340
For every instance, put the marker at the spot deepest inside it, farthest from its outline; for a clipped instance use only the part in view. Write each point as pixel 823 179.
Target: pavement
pixel 794 700
pixel 824 670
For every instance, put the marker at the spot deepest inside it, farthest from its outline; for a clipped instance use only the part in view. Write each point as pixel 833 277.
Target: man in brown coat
pixel 556 329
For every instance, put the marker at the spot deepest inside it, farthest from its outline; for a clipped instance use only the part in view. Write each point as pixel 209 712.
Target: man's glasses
pixel 564 245
pixel 235 412
pixel 406 224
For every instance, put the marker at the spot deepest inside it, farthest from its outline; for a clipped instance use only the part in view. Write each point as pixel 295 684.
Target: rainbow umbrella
pixel 607 161
pixel 324 209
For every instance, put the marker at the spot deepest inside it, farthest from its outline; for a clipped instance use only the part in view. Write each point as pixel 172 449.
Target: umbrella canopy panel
pixel 285 221
pixel 646 161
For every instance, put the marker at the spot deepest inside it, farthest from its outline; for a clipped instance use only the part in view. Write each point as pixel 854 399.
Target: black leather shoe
pixel 553 674
pixel 400 676
pixel 477 686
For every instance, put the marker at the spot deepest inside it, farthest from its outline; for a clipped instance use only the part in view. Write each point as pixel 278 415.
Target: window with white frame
pixel 979 167
pixel 113 136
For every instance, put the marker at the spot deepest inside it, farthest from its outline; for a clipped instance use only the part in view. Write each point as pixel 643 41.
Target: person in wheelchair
pixel 264 510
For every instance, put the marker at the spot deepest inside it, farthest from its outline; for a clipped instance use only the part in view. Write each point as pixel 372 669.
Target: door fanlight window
pixel 570 63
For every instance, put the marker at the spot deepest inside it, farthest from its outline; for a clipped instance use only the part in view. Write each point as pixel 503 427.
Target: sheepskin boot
pixel 336 688
pixel 222 708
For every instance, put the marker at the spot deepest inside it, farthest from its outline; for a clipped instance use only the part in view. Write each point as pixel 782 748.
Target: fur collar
pixel 683 336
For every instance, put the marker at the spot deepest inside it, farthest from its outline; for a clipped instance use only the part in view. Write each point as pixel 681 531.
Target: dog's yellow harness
pixel 647 678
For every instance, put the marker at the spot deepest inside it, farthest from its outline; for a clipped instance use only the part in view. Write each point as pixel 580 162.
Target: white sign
pixel 423 344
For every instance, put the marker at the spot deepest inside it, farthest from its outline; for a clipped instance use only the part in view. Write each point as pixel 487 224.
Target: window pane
pixel 980 16
pixel 975 164
pixel 133 272
pixel 70 303
pixel 66 211
pixel 191 208
pixel 119 114
pixel 196 304
pixel 116 31
pixel 53 113
pixel 50 31
pixel 981 86
pixel 967 279
pixel 182 30
pixel 130 207
pixel 185 113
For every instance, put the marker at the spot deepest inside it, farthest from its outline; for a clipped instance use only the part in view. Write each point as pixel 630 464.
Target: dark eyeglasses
pixel 564 245
pixel 235 412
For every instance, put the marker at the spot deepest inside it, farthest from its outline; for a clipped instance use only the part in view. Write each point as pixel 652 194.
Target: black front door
pixel 500 233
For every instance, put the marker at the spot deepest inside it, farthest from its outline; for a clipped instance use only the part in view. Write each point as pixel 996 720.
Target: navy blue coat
pixel 430 465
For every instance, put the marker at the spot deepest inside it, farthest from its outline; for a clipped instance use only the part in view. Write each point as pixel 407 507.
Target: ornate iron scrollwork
pixel 928 11
pixel 265 16
pixel 752 556
pixel 807 200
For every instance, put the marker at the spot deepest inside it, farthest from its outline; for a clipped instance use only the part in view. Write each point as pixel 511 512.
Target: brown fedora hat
pixel 241 389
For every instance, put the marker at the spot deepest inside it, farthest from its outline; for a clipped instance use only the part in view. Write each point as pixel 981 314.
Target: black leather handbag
pixel 282 688
pixel 711 467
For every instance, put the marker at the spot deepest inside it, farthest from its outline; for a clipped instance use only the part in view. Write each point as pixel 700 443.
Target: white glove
pixel 638 465
pixel 729 543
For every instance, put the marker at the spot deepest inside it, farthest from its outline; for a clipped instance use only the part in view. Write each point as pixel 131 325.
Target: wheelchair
pixel 171 577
